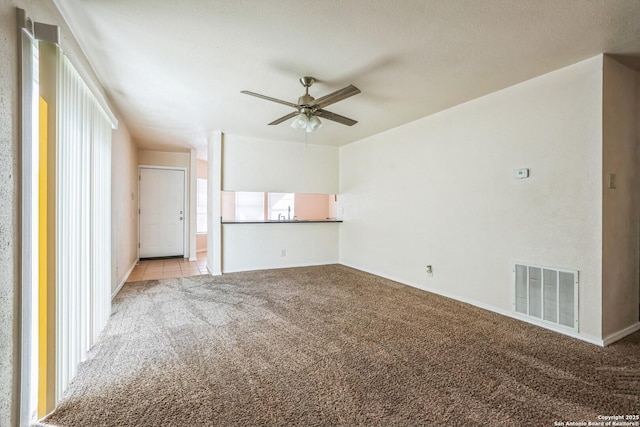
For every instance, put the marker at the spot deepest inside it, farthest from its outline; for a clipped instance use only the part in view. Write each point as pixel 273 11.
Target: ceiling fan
pixel 308 109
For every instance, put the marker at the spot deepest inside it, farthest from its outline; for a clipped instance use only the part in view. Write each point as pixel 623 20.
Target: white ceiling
pixel 175 69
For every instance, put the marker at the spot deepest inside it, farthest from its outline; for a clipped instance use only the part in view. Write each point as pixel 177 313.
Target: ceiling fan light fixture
pixel 300 121
pixel 314 124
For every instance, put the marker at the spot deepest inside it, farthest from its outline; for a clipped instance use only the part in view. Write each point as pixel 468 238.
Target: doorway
pixel 162 212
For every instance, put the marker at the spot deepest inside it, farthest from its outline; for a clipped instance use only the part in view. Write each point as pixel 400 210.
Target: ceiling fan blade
pixel 284 118
pixel 336 96
pixel 268 98
pixel 335 117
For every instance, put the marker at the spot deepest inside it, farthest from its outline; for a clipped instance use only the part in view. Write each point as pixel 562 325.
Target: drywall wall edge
pixel 616 336
pixel 124 280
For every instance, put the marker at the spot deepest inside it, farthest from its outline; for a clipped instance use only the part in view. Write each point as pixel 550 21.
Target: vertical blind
pixel 83 220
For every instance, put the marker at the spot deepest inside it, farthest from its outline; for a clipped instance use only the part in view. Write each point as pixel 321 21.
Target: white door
pixel 161 212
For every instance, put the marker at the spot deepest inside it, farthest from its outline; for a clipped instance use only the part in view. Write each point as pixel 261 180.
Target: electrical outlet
pixel 283 252
pixel 429 270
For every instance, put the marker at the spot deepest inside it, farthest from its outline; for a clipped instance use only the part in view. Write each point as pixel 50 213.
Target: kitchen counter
pixel 286 221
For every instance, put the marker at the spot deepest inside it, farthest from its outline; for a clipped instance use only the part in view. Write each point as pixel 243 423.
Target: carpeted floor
pixel 330 345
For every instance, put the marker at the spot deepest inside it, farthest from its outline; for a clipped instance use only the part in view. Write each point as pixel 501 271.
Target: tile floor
pixel 169 268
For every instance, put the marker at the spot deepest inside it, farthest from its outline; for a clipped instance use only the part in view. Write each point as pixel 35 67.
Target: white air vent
pixel 548 295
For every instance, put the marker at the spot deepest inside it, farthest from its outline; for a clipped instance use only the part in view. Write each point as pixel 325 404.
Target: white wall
pixel 251 164
pixel 201 172
pixel 124 206
pixel 201 169
pixel 441 191
pixel 260 246
pixel 163 158
pixel 621 205
pixel 193 195
pixel 214 185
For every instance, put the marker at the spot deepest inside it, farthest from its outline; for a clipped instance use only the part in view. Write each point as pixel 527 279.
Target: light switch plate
pixel 521 173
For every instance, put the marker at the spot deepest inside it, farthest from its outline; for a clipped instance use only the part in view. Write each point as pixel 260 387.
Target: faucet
pixel 280 217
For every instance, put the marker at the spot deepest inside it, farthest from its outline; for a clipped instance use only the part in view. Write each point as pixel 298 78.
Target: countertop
pixel 286 221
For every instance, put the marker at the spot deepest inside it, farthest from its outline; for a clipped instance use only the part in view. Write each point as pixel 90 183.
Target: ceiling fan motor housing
pixel 305 100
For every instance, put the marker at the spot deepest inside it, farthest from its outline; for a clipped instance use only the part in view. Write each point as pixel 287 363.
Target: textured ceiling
pixel 175 69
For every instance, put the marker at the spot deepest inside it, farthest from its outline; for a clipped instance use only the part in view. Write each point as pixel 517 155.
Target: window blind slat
pixel 83 211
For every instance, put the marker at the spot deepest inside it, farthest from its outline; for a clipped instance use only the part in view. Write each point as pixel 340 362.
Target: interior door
pixel 161 212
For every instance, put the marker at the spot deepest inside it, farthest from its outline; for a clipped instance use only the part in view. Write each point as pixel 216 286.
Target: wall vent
pixel 546 294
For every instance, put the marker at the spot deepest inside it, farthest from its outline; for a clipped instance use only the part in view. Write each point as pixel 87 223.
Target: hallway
pixel 169 268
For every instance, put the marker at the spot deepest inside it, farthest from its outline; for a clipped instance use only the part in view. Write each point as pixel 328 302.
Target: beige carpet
pixel 330 345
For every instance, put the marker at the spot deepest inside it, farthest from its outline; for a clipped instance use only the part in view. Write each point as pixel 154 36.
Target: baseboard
pixel 277 267
pixel 559 329
pixel 212 273
pixel 621 334
pixel 124 280
pixel 488 307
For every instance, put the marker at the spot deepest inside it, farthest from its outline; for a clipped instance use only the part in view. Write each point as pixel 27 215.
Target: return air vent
pixel 548 295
